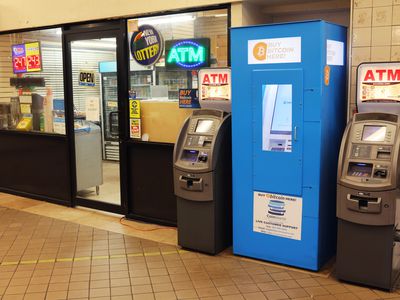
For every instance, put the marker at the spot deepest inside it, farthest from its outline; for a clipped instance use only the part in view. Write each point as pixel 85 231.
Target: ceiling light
pixel 94 44
pixel 166 20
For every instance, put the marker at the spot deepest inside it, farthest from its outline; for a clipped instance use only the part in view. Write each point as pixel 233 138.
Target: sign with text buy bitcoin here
pixel 274 51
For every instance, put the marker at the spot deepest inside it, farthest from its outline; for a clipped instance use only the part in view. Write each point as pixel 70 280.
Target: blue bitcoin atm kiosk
pixel 288 116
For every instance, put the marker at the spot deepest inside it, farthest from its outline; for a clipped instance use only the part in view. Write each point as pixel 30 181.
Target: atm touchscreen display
pixel 204 125
pixel 373 133
pixel 358 169
pixel 190 155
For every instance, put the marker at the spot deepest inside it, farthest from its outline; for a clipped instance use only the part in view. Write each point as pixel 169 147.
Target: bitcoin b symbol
pixel 260 51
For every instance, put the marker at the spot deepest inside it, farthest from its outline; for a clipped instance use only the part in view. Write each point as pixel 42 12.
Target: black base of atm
pixel 367 255
pixel 203 226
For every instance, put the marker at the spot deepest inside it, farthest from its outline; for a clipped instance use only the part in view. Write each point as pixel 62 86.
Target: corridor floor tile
pixel 48 258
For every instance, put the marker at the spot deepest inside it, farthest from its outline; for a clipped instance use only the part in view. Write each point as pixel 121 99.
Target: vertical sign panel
pixel 33 57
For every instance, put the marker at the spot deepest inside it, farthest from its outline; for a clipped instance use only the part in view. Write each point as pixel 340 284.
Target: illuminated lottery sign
pixel 187 54
pixel 147 45
pixel 26 58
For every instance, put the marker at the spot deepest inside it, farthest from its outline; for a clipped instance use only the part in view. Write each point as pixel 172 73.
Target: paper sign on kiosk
pixel 278 215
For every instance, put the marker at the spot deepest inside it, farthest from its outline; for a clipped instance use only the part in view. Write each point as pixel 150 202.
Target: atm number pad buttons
pixel 361 151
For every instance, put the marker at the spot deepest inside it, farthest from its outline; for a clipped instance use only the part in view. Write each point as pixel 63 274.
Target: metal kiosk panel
pixel 284 152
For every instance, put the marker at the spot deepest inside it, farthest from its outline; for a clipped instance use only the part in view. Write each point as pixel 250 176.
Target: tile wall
pixel 375 35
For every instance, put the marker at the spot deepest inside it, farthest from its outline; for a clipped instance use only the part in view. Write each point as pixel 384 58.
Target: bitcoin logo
pixel 260 51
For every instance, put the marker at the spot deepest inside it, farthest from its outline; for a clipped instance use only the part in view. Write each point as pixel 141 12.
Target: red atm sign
pixel 215 78
pixel 382 75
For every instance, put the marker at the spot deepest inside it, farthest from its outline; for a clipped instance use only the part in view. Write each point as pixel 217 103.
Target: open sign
pixel 87 78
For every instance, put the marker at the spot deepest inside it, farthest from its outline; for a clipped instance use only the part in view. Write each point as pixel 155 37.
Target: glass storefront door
pixel 96 99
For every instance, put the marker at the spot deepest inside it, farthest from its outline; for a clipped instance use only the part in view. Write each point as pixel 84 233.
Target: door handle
pixel 295 134
pixel 110 122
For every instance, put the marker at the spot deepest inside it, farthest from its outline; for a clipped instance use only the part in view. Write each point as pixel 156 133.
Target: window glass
pixel 31 81
pixel 277 117
pixel 191 41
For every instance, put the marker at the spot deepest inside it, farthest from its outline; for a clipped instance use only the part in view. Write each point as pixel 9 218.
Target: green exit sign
pixel 189 54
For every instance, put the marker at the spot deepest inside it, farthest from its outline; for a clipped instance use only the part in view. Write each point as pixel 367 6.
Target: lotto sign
pixel 87 78
pixel 215 84
pixel 147 45
pixel 379 82
pixel 33 59
pixel 134 109
pixel 26 58
pixel 135 130
pixel 274 51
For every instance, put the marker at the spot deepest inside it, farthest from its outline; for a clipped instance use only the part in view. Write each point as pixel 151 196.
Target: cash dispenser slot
pixel 364 204
pixel 190 183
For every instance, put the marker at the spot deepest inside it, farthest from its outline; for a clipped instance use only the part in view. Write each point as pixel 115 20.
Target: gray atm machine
pixel 203 181
pixel 367 190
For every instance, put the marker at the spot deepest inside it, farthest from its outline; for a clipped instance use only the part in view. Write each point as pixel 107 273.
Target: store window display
pixel 166 53
pixel 31 82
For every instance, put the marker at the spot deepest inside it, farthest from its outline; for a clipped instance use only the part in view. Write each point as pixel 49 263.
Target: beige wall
pixel 336 11
pixel 46 12
pixel 375 30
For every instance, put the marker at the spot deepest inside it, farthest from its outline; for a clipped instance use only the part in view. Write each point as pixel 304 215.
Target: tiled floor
pixel 100 220
pixel 47 258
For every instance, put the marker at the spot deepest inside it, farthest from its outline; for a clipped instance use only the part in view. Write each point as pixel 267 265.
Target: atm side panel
pixel 241 142
pixel 333 122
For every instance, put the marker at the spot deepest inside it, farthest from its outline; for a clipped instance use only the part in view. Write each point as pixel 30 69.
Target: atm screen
pixel 190 155
pixel 204 126
pixel 359 169
pixel 372 133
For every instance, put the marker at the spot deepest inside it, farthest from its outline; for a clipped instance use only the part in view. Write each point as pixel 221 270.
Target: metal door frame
pixel 107 29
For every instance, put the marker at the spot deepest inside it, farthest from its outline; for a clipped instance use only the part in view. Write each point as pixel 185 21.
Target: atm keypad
pixel 361 151
pixel 199 141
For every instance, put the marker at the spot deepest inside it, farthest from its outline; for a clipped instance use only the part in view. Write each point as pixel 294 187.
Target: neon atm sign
pixel 187 54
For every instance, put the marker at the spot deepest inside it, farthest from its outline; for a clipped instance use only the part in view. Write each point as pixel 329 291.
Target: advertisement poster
pixel 134 109
pixel 278 215
pixel 92 109
pixel 215 84
pixel 147 44
pixel 274 51
pixel 135 129
pixel 87 78
pixel 334 53
pixel 26 58
pixel 33 57
pixel 189 98
pixel 379 82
